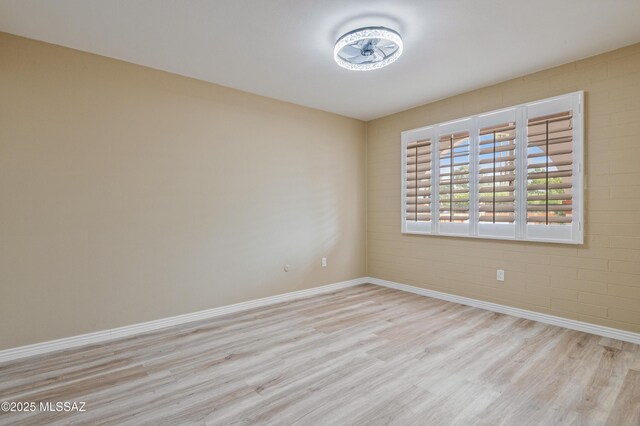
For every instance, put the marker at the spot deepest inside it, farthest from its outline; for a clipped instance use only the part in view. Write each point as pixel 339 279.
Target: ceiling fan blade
pixel 388 48
pixel 379 54
pixel 350 50
pixel 360 43
pixel 349 58
pixel 360 59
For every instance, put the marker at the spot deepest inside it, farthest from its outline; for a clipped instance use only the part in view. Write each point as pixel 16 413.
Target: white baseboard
pixel 115 333
pixel 598 330
pixel 129 330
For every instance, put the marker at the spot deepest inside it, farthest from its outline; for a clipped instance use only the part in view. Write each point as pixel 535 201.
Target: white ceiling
pixel 283 48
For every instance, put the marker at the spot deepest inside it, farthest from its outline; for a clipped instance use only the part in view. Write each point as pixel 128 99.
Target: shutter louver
pixel 454 177
pixel 550 169
pixel 418 181
pixel 497 173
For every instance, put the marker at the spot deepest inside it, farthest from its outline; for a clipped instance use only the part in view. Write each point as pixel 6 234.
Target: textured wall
pixel 129 194
pixel 598 282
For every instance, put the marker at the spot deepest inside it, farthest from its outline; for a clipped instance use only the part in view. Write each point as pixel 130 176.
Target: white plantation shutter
pixel 454 196
pixel 454 177
pixel 553 175
pixel 497 174
pixel 417 184
pixel 419 181
pixel 497 160
pixel 550 169
pixel 511 174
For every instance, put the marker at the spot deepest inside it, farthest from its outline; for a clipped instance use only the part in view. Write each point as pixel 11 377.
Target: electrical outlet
pixel 324 262
pixel 500 275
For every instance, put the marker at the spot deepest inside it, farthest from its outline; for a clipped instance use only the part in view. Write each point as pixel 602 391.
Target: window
pixel 515 174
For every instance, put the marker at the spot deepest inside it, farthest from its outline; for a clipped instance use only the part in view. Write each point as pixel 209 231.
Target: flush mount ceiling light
pixel 368 48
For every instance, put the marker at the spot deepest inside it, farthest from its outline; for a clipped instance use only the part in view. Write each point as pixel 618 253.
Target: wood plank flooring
pixel 366 355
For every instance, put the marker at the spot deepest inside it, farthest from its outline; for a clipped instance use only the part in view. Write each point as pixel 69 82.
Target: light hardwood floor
pixel 366 355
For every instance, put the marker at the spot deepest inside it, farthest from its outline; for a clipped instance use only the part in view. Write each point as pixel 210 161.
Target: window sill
pixel 495 237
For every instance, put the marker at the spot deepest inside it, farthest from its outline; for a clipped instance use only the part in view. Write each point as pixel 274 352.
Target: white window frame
pixel 519 230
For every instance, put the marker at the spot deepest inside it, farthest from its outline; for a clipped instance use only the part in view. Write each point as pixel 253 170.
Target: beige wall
pixel 129 194
pixel 598 282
